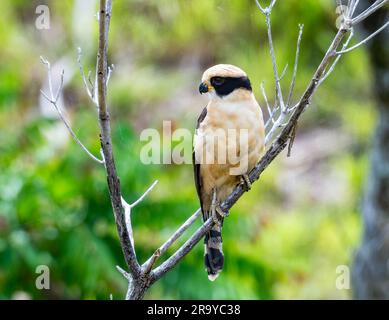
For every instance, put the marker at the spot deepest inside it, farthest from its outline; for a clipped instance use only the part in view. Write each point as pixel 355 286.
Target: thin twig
pixel 144 195
pixel 260 7
pixel 88 90
pixel 127 217
pixel 269 111
pixel 150 263
pixel 353 7
pixel 283 73
pixel 271 118
pixel 48 66
pixel 177 234
pixel 54 101
pixel 296 61
pixel 276 125
pixel 124 273
pixel 93 87
pixel 60 86
pixel 373 8
pixel 267 9
pixel 274 62
pixel 291 140
pixel 128 209
pixel 284 110
pixel 106 141
pixel 325 76
pixel 110 70
pixel 170 263
pixel 363 41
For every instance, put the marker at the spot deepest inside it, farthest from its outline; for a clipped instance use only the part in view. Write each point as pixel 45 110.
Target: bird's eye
pixel 217 81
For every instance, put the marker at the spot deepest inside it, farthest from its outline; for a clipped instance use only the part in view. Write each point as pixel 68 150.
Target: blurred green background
pixel 284 239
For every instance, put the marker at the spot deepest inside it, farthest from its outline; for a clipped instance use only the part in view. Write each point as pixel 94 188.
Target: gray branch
pixel 284 112
pixel 89 87
pixel 170 263
pixel 368 12
pixel 343 51
pixel 332 67
pixel 296 62
pixel 162 249
pixel 106 140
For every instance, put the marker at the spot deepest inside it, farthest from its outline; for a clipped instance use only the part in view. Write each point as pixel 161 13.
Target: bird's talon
pixel 245 181
pixel 221 212
pixel 215 215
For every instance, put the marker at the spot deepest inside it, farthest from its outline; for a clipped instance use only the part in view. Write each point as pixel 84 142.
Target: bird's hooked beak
pixel 205 87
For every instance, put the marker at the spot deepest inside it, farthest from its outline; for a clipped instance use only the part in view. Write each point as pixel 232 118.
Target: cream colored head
pixel 225 81
pixel 223 70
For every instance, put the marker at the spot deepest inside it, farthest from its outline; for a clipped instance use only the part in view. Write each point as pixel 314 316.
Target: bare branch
pixel 144 194
pixel 325 76
pixel 54 101
pixel 268 9
pixel 279 123
pixel 88 90
pixel 60 86
pixel 48 66
pixel 106 140
pixel 301 29
pixel 283 73
pixel 369 11
pixel 274 63
pixel 343 51
pixel 46 96
pixel 110 70
pixel 269 111
pixel 162 249
pixel 260 7
pixel 124 273
pixel 271 118
pixel 127 217
pixel 272 4
pixel 93 86
pixel 150 263
pixel 170 263
pixel 128 209
pixel 353 6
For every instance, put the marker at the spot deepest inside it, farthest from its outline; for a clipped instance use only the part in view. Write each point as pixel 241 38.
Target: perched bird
pixel 232 108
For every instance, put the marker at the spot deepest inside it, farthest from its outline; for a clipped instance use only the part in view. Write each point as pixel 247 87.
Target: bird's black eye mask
pixel 225 85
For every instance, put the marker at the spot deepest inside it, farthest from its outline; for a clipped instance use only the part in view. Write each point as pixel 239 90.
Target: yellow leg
pixel 245 180
pixel 216 212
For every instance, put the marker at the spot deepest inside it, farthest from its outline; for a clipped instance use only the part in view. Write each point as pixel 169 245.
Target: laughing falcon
pixel 228 142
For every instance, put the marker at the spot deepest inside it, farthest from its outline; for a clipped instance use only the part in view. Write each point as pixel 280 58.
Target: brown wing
pixel 196 166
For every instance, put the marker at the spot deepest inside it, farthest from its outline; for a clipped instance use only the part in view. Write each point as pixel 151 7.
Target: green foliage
pixel 54 205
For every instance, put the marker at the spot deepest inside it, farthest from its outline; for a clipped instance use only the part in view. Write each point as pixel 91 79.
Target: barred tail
pixel 213 258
